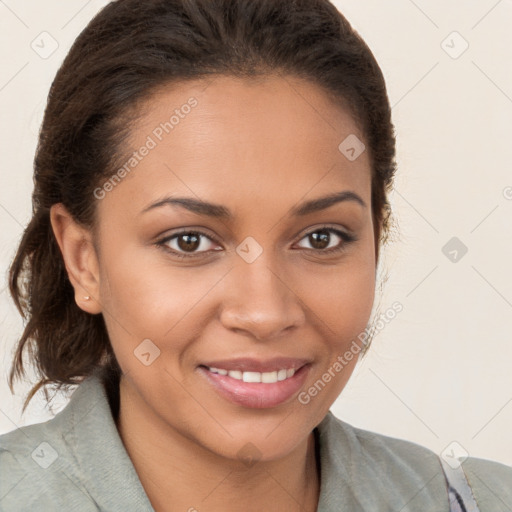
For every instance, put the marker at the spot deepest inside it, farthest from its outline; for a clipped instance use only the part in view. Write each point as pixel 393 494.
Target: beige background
pixel 440 371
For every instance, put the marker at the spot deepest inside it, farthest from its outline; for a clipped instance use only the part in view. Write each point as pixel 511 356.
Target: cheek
pixel 352 298
pixel 146 297
pixel 340 307
pixel 340 298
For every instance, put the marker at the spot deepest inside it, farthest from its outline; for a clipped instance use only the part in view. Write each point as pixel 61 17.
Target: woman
pixel 210 193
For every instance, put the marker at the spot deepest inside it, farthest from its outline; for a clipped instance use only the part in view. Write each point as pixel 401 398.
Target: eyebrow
pixel 221 212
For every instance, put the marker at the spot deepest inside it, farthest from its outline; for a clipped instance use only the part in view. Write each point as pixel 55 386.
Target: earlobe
pixel 80 258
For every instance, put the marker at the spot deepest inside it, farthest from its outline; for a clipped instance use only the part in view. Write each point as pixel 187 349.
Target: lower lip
pixel 255 394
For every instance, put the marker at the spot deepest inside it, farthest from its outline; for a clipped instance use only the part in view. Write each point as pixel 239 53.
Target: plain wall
pixel 441 370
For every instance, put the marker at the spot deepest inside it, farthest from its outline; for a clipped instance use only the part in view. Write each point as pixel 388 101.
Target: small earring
pixel 87 297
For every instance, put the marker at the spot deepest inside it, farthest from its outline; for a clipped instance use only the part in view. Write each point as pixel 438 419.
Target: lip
pixel 247 364
pixel 256 395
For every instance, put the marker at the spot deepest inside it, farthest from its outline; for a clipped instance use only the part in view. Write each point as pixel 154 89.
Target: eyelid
pixel 327 227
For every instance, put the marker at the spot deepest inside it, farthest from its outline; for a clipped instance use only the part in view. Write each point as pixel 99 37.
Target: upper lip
pixel 246 364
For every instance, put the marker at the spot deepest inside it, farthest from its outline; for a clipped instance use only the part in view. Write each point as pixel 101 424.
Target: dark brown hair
pixel 129 50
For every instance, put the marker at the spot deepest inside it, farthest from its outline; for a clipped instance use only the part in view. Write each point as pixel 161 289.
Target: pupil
pixel 320 239
pixel 192 241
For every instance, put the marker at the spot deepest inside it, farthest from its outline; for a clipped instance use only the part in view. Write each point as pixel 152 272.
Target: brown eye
pixel 321 240
pixel 188 244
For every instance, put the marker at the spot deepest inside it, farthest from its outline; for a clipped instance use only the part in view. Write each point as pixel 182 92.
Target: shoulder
pixel 403 473
pixel 38 467
pixel 381 450
pixel 371 471
pixel 75 462
pixel 491 483
pixel 31 462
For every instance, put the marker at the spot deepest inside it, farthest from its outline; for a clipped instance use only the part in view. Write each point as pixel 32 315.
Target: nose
pixel 259 302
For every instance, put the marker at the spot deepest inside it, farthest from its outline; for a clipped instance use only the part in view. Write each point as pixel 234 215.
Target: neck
pixel 204 480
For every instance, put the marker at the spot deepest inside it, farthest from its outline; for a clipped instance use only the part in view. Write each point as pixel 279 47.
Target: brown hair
pixel 129 50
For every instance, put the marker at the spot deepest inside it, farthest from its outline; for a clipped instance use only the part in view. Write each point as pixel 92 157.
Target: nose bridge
pixel 259 300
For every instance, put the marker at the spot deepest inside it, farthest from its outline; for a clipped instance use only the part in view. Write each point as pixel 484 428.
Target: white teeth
pixel 264 377
pixel 251 377
pixel 269 377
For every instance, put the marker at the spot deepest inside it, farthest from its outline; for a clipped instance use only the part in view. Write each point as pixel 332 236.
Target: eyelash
pixel 345 237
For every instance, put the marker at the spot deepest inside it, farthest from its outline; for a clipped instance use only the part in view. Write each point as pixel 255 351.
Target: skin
pixel 259 149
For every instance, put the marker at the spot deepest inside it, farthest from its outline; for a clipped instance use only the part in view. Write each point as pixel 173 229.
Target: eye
pixel 191 244
pixel 323 241
pixel 187 244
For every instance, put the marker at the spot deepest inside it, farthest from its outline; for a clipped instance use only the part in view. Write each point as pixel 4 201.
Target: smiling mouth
pixel 263 377
pixel 254 384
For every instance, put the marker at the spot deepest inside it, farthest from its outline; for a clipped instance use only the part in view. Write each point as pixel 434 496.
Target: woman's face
pixel 264 285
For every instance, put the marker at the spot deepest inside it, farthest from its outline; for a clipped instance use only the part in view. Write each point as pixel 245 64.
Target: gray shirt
pixel 77 462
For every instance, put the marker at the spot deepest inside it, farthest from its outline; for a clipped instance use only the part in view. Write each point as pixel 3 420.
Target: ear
pixel 80 258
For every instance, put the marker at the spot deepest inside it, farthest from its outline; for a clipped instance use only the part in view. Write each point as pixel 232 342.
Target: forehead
pixel 275 139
